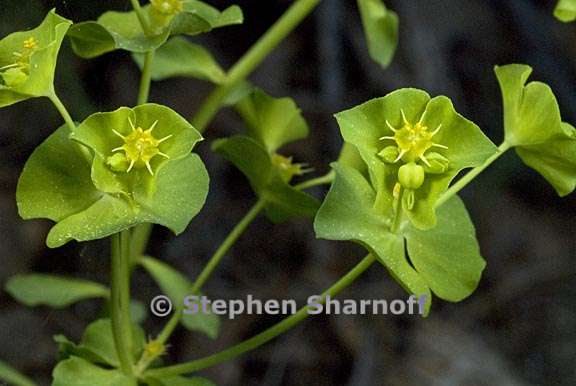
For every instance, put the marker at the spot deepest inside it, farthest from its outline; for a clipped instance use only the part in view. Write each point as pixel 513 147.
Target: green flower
pixel 534 127
pixel 123 30
pixel 413 147
pixel 133 166
pixel 28 60
pixel 272 123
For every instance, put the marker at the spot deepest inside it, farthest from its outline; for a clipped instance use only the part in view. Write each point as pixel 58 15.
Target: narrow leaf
pixel 381 30
pixel 179 57
pixel 13 377
pixel 54 291
pixel 176 286
pixel 79 372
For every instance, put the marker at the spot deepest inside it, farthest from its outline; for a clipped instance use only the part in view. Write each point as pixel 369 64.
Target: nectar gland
pixel 140 146
pixel 413 140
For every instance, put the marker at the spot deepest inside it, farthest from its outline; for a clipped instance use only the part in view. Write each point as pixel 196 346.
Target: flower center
pixel 17 72
pixel 168 7
pixel 140 146
pixel 413 140
pixel 289 169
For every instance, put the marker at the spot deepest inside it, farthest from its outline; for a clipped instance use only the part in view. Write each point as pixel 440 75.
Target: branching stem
pixel 251 59
pixel 266 335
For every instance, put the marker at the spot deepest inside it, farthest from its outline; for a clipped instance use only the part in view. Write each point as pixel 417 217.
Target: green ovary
pixel 140 147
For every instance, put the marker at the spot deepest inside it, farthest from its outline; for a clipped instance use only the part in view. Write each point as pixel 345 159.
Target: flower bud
pixel 389 154
pixel 438 164
pixel 411 176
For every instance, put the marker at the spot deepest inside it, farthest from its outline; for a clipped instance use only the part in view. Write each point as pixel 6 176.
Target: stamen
pixel 149 167
pixel 423 158
pixel 152 127
pixel 437 130
pixel 440 146
pixel 9 66
pixel 132 124
pixel 117 149
pixel 118 134
pixel 400 156
pixel 131 166
pixel 391 127
pixel 386 137
pixel 422 117
pixel 404 117
pixel 163 155
pixel 165 138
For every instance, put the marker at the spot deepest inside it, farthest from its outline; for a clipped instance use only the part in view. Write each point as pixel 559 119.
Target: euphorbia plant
pixel 393 190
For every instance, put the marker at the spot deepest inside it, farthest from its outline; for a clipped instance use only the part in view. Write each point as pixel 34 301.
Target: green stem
pixel 462 182
pixel 62 110
pixel 140 237
pixel 227 244
pixel 322 180
pixel 141 16
pixel 397 212
pixel 255 55
pixel 120 300
pixel 232 237
pixel 146 78
pixel 265 336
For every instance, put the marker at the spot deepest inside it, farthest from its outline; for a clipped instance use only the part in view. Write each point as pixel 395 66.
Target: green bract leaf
pixel 138 311
pixel 55 291
pixel 381 30
pixel 565 10
pixel 348 213
pixel 533 125
pixel 407 128
pixel 122 30
pixel 448 256
pixel 531 112
pixel 28 60
pixel 177 287
pixel 55 182
pixel 112 31
pixel 444 260
pixel 12 376
pixel 99 339
pixel 555 160
pixel 269 176
pixel 271 121
pixel 76 371
pixel 97 344
pixel 138 175
pixel 179 57
pixel 180 381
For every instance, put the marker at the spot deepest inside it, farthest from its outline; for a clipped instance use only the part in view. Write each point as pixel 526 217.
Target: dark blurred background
pixel 519 328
